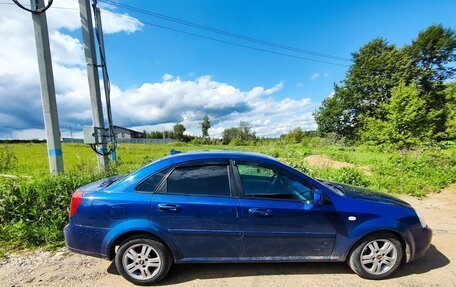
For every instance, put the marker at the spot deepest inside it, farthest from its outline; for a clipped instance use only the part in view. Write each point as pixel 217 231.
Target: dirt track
pixel 437 268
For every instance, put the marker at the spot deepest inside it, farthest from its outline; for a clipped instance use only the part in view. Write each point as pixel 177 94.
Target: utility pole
pixel 92 73
pixel 71 133
pixel 51 119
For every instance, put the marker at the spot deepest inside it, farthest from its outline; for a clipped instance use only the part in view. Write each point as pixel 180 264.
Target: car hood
pixel 365 194
pixel 100 184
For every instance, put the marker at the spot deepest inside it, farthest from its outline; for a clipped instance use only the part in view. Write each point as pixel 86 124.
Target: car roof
pixel 220 154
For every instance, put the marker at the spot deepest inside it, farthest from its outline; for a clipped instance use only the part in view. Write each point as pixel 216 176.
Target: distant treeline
pixel 21 141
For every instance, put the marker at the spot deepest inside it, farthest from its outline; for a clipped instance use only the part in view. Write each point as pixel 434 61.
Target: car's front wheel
pixel 377 256
pixel 143 261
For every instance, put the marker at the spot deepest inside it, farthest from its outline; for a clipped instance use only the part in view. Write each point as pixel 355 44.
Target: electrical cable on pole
pixel 36 10
pixel 106 82
pixel 96 132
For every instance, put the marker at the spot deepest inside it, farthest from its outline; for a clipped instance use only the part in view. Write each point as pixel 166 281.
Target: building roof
pixel 125 129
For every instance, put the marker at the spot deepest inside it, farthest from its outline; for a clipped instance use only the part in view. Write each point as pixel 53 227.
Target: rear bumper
pixel 85 239
pixel 421 241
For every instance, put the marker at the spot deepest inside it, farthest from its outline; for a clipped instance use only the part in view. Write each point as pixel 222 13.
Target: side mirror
pixel 318 197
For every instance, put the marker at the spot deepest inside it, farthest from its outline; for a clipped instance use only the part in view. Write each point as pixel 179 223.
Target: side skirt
pixel 261 259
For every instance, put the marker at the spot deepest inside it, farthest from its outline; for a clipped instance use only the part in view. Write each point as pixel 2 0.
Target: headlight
pixel 423 223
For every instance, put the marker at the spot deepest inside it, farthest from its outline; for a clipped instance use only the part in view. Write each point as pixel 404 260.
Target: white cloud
pixel 274 89
pixel 19 80
pixel 28 134
pixel 115 22
pixel 173 101
pixel 69 18
pixel 151 106
pixel 167 77
pixel 314 76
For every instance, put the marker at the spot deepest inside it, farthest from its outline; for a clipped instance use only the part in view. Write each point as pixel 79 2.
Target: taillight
pixel 76 200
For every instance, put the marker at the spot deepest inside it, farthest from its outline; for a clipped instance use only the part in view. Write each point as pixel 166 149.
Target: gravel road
pixel 437 268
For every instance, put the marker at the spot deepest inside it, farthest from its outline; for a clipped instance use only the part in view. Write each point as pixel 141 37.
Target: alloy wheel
pixel 378 256
pixel 141 261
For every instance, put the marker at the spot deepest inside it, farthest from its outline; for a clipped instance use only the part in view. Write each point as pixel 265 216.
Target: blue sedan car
pixel 229 206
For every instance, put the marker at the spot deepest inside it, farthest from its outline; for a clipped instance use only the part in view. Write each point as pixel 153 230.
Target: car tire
pixel 376 256
pixel 143 260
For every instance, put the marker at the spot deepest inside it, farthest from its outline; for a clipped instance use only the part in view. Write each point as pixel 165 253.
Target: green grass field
pixel 414 172
pixel 34 205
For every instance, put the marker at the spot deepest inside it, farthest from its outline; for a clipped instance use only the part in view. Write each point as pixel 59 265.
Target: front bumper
pixel 419 244
pixel 423 239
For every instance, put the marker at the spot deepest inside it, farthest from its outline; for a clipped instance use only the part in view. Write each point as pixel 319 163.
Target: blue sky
pixel 331 27
pixel 160 77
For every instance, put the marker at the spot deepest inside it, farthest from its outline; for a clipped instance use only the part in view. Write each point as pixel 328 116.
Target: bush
pixel 332 139
pixel 34 212
pixel 8 159
pixel 350 175
pixel 236 142
pixel 201 141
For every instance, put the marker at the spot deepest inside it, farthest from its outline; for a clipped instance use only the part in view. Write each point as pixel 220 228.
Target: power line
pixel 212 39
pixel 223 32
pixel 228 42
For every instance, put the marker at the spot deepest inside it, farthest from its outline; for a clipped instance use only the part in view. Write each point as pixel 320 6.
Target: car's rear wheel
pixel 377 256
pixel 143 261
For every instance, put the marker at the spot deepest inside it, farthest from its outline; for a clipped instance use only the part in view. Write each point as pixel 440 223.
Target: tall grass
pixel 34 205
pixel 34 211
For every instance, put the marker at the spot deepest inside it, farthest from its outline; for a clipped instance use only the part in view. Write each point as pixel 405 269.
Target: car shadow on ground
pixel 434 259
pixel 181 273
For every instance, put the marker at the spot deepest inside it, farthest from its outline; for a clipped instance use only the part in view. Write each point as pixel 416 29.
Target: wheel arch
pixel 405 246
pixel 112 248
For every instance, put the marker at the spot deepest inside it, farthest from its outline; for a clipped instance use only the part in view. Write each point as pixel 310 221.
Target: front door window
pixel 262 182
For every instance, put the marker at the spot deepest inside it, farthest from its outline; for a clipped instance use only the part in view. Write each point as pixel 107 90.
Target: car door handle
pixel 169 207
pixel 260 212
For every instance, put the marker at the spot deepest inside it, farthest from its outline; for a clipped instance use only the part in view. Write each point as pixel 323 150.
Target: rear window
pixel 199 180
pixel 151 183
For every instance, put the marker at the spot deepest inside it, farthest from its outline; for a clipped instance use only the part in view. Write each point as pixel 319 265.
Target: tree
pixel 229 134
pixel 405 123
pixel 294 136
pixel 205 126
pixel 337 114
pixel 179 130
pixel 246 131
pixel 406 115
pixel 361 101
pixel 431 52
pixel 242 133
pixel 377 68
pixel 450 92
pixel 159 135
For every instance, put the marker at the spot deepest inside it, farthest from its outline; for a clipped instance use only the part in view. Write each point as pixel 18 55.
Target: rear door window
pixel 199 180
pixel 152 182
